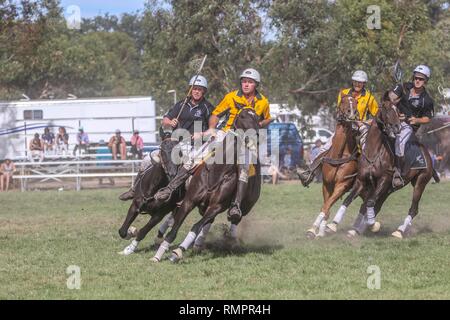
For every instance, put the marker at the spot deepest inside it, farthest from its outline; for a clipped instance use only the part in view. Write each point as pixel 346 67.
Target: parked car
pixel 314 134
pixel 288 140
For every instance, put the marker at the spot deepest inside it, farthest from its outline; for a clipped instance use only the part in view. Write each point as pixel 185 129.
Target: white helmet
pixel 423 69
pixel 360 76
pixel 200 81
pixel 251 74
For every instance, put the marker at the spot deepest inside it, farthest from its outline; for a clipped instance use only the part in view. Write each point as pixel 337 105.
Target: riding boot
pixel 235 213
pixel 307 175
pixel 165 193
pixel 128 195
pixel 397 180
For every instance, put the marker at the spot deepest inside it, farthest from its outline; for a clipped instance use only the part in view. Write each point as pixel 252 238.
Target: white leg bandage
pixel 202 235
pixel 340 214
pixel 161 250
pixel 319 219
pixel 166 224
pixel 188 240
pixel 233 231
pixel 370 215
pixel 406 224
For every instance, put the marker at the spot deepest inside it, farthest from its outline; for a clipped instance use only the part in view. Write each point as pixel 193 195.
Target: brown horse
pixel 150 181
pixel 339 164
pixel 375 171
pixel 212 189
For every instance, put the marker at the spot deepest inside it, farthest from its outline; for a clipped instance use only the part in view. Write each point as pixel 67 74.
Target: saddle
pixel 414 156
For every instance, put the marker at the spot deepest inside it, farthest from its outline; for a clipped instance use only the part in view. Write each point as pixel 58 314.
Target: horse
pixel 375 172
pixel 153 178
pixel 436 136
pixel 212 190
pixel 339 164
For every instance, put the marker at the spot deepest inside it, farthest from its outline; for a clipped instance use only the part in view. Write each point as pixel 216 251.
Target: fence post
pixel 78 177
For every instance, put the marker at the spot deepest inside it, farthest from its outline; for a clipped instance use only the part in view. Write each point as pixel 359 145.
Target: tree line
pixel 305 50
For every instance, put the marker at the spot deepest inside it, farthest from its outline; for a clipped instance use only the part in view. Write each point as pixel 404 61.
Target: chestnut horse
pixel 339 164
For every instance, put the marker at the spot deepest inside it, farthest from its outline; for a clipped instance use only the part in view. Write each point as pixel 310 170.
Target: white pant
pixel 402 138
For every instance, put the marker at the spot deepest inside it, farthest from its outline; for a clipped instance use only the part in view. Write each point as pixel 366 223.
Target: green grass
pixel 42 233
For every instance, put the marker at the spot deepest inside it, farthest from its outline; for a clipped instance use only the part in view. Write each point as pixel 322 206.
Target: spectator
pixel 137 145
pixel 49 141
pixel 82 141
pixel 117 144
pixel 288 161
pixel 7 169
pixel 36 148
pixel 62 141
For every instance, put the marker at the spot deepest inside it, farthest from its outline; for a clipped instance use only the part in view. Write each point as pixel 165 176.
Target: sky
pixel 91 8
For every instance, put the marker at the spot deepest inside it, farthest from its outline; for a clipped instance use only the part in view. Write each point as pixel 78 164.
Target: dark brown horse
pixel 375 171
pixel 436 137
pixel 213 187
pixel 152 179
pixel 339 164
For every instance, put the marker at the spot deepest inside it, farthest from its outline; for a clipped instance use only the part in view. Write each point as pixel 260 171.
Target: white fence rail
pixel 57 170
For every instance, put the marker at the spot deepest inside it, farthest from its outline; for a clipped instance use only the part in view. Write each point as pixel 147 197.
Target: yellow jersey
pixel 366 102
pixel 235 101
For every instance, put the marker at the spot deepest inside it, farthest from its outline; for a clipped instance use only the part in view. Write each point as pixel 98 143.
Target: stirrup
pixel 397 177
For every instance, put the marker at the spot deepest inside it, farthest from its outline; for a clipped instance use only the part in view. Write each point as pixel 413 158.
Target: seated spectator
pixel 7 169
pixel 137 145
pixel 117 144
pixel 82 141
pixel 288 161
pixel 36 148
pixel 49 141
pixel 275 173
pixel 62 141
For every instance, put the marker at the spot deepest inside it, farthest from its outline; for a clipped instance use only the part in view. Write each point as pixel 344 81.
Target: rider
pixel 246 97
pixel 196 109
pixel 366 104
pixel 415 107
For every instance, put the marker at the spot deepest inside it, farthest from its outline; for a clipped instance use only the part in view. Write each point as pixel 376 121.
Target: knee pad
pixel 155 157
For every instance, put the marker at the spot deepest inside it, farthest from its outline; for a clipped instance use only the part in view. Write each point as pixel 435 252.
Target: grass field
pixel 42 233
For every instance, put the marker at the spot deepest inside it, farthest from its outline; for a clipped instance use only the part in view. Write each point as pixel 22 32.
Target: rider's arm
pixel 373 106
pixel 267 119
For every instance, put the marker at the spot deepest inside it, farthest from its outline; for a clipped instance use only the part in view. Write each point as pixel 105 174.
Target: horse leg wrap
pixel 360 224
pixel 165 225
pixel 340 214
pixel 370 215
pixel 322 228
pixel 233 231
pixel 161 250
pixel 202 235
pixel 406 224
pixel 319 219
pixel 190 238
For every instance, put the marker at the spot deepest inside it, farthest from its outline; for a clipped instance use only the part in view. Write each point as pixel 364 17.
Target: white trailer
pixel 20 120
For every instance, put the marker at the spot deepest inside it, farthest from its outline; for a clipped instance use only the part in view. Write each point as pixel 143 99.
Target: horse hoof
pixel 351 234
pixel 397 234
pixel 127 251
pixel 154 259
pixel 311 234
pixel 331 228
pixel 198 248
pixel 376 227
pixel 131 233
pixel 176 256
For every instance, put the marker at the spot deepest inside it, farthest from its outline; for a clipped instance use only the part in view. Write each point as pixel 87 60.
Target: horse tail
pixel 436 177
